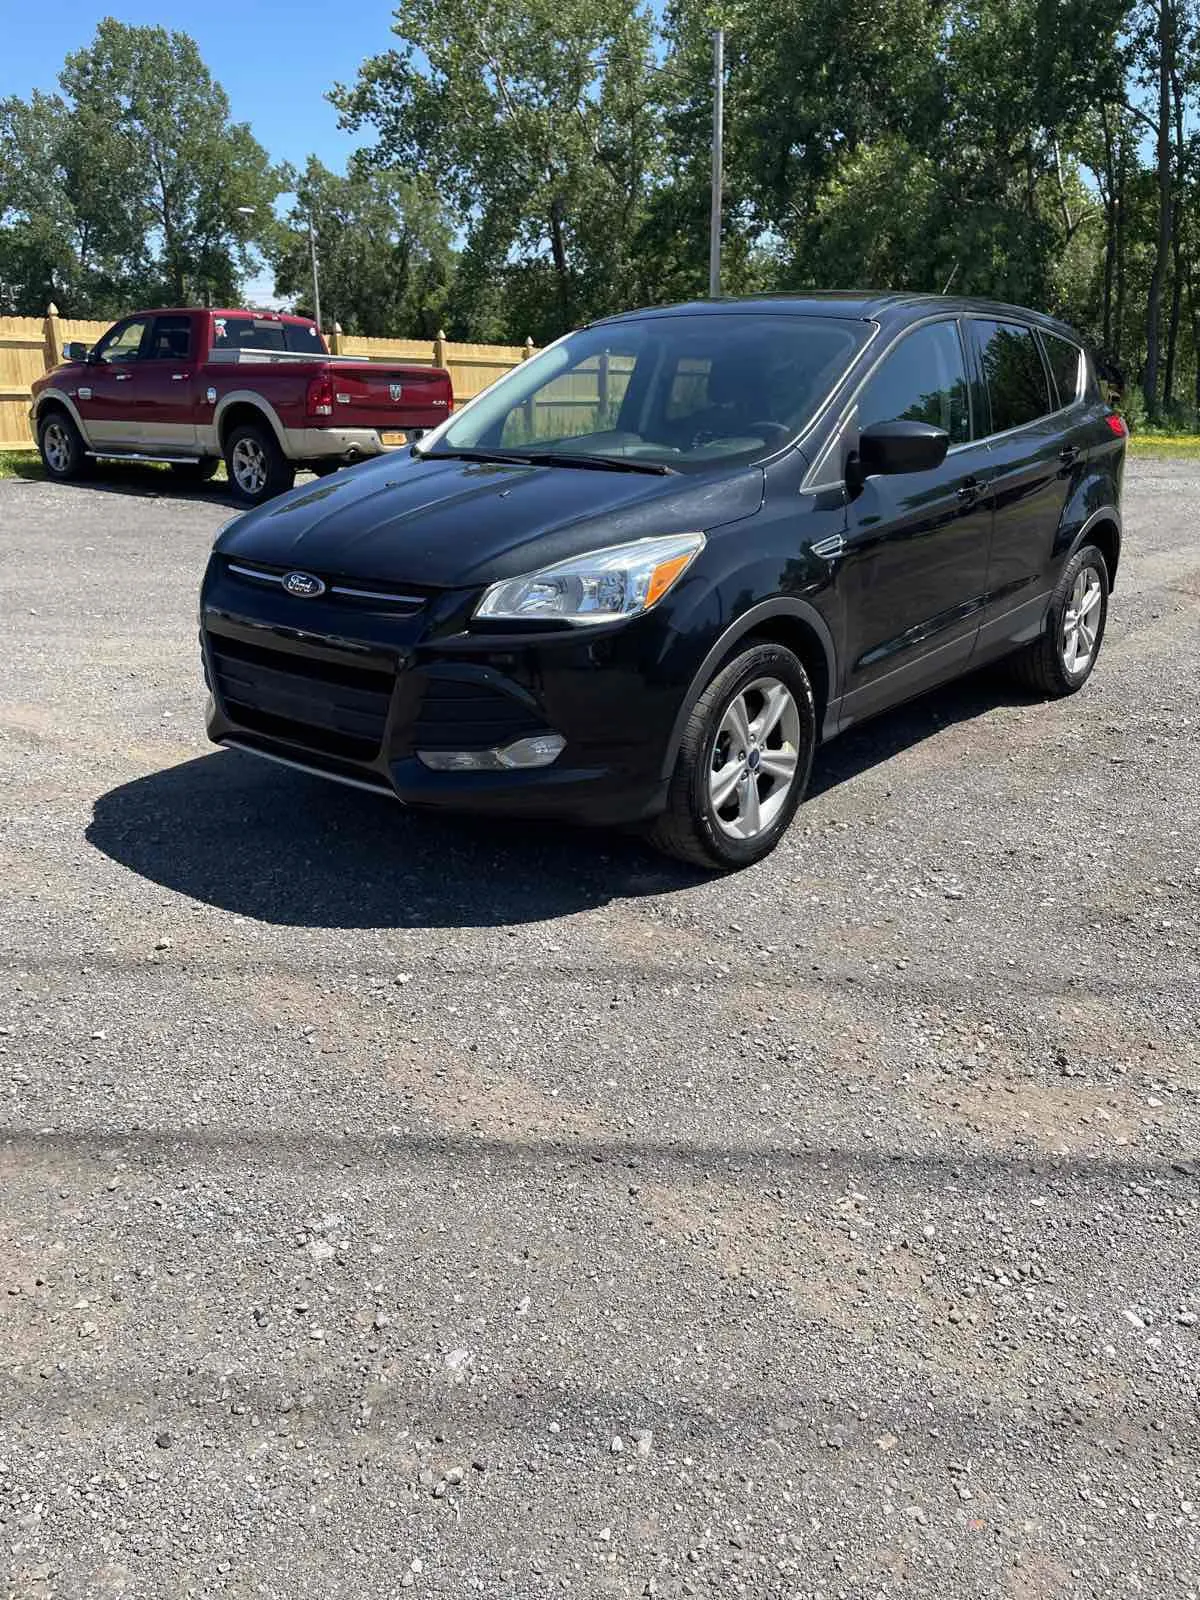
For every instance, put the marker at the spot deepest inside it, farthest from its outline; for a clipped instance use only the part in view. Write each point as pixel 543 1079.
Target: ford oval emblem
pixel 303 585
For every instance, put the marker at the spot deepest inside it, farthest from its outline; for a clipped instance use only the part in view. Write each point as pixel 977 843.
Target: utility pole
pixel 718 133
pixel 312 249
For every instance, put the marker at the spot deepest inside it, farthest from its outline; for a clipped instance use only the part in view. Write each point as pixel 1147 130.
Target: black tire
pixel 1046 667
pixel 252 442
pixel 692 828
pixel 61 447
pixel 194 471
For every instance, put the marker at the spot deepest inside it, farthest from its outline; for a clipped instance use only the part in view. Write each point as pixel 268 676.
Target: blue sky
pixel 274 60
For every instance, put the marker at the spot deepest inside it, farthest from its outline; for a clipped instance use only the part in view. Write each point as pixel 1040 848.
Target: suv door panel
pixel 914 571
pixel 1033 463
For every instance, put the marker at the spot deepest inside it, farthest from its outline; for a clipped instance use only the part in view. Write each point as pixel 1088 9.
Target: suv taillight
pixel 1116 425
pixel 320 396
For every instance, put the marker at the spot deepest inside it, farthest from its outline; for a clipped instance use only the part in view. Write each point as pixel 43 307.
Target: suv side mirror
pixel 891 447
pixel 76 350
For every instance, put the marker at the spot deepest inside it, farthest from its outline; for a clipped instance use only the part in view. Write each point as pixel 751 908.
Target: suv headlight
pixel 601 586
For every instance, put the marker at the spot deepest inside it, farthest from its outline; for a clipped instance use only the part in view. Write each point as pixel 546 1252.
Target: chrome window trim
pixel 808 486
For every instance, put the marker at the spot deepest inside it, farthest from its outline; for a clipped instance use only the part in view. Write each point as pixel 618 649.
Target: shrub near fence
pixel 30 346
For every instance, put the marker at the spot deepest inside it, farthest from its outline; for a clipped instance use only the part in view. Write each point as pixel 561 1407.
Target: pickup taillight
pixel 320 396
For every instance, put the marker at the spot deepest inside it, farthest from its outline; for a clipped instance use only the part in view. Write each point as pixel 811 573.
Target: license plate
pixel 393 436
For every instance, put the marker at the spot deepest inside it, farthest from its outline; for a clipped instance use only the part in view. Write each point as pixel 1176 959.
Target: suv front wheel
pixel 743 763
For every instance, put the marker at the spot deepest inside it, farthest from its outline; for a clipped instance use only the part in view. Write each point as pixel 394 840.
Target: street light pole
pixel 312 248
pixel 718 134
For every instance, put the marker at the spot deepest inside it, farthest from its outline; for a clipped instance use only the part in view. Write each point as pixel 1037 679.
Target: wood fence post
pixel 52 337
pixel 335 340
pixel 439 348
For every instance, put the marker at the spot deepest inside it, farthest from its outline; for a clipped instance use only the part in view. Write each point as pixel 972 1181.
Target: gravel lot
pixel 396 1204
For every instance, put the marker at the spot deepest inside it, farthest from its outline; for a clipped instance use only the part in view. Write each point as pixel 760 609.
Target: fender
pixel 63 399
pixel 210 435
pixel 1107 513
pixel 781 606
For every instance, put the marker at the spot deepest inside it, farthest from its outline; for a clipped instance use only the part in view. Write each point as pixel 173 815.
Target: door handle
pixel 968 490
pixel 178 377
pixel 124 377
pixel 1068 454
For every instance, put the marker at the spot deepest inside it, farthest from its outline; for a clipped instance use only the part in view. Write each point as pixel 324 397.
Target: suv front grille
pixel 306 700
pixel 403 599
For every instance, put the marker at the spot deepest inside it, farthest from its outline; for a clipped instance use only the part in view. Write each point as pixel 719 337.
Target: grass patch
pixel 1165 444
pixel 20 464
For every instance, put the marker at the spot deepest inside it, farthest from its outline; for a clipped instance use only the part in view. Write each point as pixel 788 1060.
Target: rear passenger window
pixel 1063 357
pixel 171 339
pixel 1016 377
pixel 924 379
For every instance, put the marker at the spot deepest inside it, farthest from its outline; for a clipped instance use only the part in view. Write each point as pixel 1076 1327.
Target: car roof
pixel 888 307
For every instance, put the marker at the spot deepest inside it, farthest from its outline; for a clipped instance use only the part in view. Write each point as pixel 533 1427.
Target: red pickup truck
pixel 257 389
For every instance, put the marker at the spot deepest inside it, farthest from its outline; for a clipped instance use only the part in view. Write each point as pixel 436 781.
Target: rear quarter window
pixel 1065 359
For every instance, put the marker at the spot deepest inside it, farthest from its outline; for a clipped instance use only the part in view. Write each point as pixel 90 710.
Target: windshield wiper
pixel 550 458
pixel 507 456
pixel 560 458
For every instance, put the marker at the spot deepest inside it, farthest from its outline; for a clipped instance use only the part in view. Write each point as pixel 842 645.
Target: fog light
pixel 538 750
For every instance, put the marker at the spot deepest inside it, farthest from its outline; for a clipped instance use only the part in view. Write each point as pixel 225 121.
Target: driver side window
pixel 123 345
pixel 924 379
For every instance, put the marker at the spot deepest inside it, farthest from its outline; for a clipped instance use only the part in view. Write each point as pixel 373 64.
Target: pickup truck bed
pixel 193 387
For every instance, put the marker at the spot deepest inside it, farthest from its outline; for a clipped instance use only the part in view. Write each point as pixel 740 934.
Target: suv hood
pixel 448 524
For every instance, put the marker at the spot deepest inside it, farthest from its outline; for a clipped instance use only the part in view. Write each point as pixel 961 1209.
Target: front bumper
pixel 362 687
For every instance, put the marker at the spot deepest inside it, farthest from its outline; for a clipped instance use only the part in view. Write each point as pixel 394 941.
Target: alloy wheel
pixel 56 446
pixel 754 758
pixel 1081 620
pixel 249 463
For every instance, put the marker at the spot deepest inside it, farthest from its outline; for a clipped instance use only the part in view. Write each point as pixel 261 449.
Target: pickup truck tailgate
pixel 367 395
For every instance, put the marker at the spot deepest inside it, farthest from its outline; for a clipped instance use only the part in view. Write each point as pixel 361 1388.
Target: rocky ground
pixel 393 1204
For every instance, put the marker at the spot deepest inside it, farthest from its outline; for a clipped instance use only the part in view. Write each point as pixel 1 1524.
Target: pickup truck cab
pixel 258 390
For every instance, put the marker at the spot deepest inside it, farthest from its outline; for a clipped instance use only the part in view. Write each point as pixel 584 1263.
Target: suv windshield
pixel 684 391
pixel 266 333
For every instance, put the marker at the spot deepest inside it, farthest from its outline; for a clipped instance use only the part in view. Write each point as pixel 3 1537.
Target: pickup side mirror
pixel 76 350
pixel 890 447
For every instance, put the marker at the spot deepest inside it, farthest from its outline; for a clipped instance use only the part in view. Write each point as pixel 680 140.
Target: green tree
pixel 385 249
pixel 535 120
pixel 127 186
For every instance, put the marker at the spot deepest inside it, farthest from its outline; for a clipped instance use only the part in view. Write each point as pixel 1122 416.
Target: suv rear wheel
pixel 743 763
pixel 257 467
pixel 1062 660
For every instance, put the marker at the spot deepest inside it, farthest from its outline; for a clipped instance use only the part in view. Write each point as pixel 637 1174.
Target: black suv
pixel 646 573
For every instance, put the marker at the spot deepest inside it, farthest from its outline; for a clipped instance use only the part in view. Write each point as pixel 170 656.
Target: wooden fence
pixel 30 346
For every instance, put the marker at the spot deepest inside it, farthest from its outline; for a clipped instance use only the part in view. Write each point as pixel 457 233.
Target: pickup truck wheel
pixel 194 471
pixel 61 447
pixel 257 467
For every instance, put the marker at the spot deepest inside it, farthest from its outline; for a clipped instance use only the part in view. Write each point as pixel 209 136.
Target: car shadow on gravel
pixel 283 847
pixel 888 735
pixel 286 848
